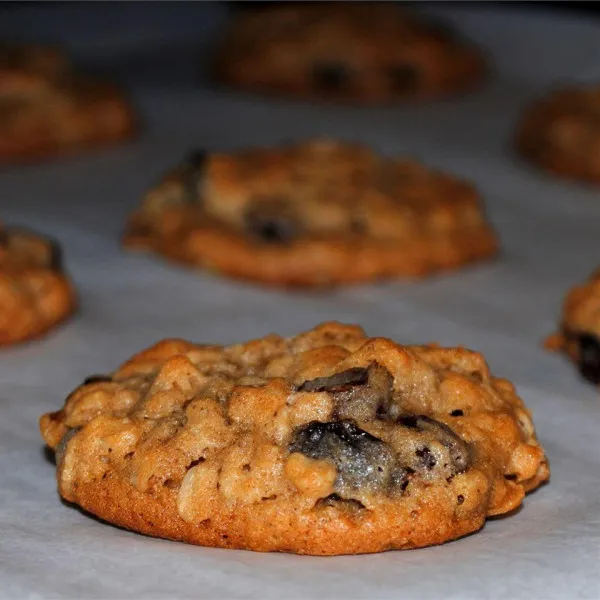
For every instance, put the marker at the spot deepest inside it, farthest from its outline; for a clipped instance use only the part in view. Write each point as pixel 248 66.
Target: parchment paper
pixel 550 236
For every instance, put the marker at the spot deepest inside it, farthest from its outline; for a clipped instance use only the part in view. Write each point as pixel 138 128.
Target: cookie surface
pixel 35 293
pixel 579 332
pixel 47 109
pixel 561 133
pixel 315 214
pixel 348 52
pixel 329 442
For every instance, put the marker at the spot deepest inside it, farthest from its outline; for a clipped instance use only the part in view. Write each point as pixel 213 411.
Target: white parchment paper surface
pixel 550 233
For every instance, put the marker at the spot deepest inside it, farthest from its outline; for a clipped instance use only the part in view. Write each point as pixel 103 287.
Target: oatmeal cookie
pixel 328 442
pixel 561 133
pixel 35 293
pixel 313 214
pixel 47 109
pixel 350 52
pixel 579 334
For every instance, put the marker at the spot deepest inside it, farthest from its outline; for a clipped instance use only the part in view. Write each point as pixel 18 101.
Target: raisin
pixel 589 357
pixel 331 76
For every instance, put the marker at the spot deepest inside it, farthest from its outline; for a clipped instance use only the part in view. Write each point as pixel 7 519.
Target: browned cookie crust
pixel 579 334
pixel 350 52
pixel 313 214
pixel 329 442
pixel 561 133
pixel 35 293
pixel 48 109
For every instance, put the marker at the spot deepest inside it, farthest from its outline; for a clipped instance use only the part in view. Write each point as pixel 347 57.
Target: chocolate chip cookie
pixel 48 109
pixel 579 335
pixel 35 293
pixel 313 214
pixel 561 133
pixel 328 442
pixel 343 51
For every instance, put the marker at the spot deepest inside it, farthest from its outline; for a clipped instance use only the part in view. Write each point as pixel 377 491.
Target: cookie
pixel 347 52
pixel 313 214
pixel 579 334
pixel 328 442
pixel 35 293
pixel 560 132
pixel 48 109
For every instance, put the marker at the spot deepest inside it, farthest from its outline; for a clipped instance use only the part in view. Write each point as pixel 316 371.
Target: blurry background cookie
pixel 352 52
pixel 579 334
pixel 49 109
pixel 315 213
pixel 35 293
pixel 329 442
pixel 561 132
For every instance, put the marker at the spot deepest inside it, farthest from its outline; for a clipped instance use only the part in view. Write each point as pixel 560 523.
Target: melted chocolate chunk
pixel 457 412
pixel 271 226
pixel 458 456
pixel 337 382
pixel 589 357
pixel 59 451
pixel 404 78
pixel 362 460
pixel 331 77
pixel 360 393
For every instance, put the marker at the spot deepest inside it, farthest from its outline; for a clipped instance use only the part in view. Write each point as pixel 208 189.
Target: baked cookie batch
pixel 328 442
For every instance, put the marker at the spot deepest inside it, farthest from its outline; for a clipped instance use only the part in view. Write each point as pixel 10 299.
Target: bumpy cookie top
pixel 34 292
pixel 328 425
pixel 330 201
pixel 345 50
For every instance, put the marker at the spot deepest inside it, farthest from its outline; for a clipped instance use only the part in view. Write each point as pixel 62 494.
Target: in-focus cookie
pixel 349 52
pixel 35 293
pixel 329 442
pixel 561 133
pixel 48 109
pixel 316 213
pixel 579 334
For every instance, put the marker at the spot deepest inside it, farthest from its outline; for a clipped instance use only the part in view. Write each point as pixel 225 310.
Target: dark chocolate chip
pixel 362 460
pixel 457 412
pixel 338 501
pixel 426 457
pixel 589 357
pixel 193 175
pixel 460 499
pixel 337 382
pixel 270 225
pixel 330 77
pixel 196 158
pixel 404 78
pixel 56 256
pixel 96 379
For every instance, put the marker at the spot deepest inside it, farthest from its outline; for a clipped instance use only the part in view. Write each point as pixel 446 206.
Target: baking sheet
pixel 550 234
